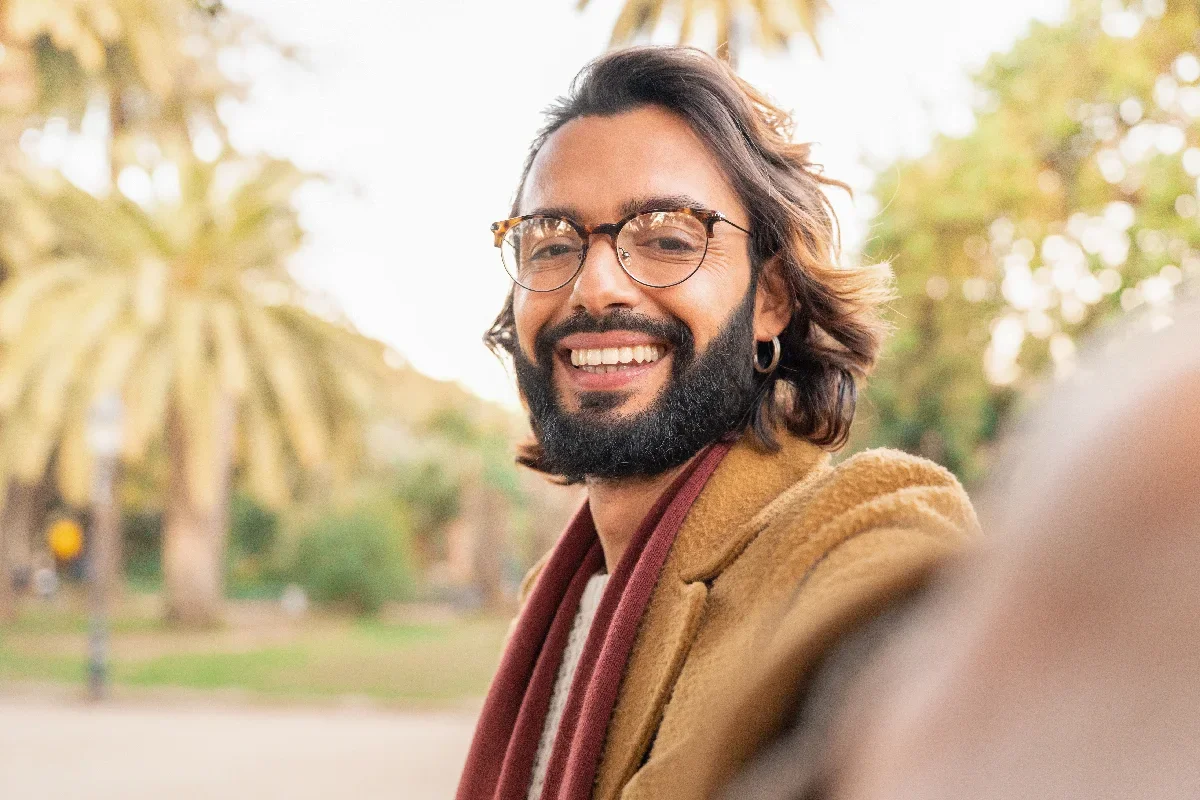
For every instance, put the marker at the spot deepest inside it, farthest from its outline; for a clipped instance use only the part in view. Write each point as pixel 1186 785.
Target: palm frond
pixel 773 22
pixel 20 294
pixel 146 398
pixel 291 388
pixel 74 463
pixel 230 348
pixel 262 450
pixel 182 307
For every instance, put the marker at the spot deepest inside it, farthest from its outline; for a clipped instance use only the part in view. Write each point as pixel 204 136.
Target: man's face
pixel 698 380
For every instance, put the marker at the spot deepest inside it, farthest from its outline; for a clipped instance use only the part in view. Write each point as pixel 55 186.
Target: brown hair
pixel 835 333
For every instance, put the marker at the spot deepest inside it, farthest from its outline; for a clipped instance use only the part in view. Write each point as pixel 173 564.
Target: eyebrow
pixel 566 212
pixel 640 205
pixel 635 205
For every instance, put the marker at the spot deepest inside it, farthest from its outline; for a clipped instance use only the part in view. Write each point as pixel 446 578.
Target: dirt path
pixel 65 750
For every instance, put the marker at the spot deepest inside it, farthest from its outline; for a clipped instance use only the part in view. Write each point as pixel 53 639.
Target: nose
pixel 602 284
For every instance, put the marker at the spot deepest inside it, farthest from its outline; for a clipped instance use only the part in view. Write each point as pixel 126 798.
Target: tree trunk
pixel 194 532
pixel 8 606
pixel 23 509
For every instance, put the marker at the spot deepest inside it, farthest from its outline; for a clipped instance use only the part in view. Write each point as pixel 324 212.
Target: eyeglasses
pixel 658 249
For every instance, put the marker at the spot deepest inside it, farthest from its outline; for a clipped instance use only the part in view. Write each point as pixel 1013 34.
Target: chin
pixel 616 406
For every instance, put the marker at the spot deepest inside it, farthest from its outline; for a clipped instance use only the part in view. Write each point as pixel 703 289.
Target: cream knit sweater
pixel 562 682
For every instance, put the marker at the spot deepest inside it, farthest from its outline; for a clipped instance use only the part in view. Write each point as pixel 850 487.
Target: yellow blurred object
pixel 66 539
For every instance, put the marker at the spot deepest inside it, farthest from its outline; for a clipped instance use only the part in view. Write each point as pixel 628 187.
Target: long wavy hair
pixel 836 330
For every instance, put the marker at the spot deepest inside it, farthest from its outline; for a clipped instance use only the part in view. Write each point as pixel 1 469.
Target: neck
pixel 619 506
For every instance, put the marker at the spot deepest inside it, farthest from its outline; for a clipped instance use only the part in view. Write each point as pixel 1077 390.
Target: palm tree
pixel 770 23
pixel 152 65
pixel 182 304
pixel 155 60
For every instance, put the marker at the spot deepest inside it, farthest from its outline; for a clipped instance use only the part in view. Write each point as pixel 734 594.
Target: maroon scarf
pixel 500 763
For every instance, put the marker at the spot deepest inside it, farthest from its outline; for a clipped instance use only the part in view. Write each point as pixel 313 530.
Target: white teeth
pixel 607 359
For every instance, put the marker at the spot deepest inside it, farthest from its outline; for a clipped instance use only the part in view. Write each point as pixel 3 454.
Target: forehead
pixel 594 165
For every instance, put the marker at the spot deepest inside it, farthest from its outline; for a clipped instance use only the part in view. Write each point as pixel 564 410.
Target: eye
pixel 555 249
pixel 667 235
pixel 672 244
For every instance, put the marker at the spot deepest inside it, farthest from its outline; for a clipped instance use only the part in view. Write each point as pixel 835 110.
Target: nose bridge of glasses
pixel 595 275
pixel 607 229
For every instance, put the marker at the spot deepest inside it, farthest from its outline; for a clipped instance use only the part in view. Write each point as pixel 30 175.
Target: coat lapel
pixel 720 525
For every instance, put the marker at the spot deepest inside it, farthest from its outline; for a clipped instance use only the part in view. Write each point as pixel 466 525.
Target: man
pixel 688 348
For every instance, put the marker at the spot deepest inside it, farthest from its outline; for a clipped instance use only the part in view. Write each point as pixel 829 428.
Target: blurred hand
pixel 1063 660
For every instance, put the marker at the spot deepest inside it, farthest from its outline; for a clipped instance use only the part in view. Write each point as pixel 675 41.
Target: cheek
pixel 705 300
pixel 531 312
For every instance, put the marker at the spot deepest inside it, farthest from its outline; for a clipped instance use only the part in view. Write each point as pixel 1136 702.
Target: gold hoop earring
pixel 776 354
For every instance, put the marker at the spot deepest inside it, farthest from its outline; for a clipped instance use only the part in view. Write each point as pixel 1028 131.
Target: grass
pixel 426 664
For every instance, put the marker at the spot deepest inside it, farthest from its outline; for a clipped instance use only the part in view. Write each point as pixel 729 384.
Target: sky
pixel 420 113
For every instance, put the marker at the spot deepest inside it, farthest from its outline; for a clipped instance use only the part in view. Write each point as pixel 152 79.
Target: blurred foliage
pixel 254 529
pixel 252 557
pixel 454 424
pixel 434 496
pixel 462 478
pixel 767 25
pixel 180 305
pixel 1073 201
pixel 152 63
pixel 359 556
pixel 153 263
pixel 141 547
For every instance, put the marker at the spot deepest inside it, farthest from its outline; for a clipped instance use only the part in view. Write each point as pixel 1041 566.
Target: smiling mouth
pixel 599 360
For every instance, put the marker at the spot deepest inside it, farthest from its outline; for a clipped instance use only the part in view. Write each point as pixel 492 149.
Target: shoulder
pixel 530 579
pixel 523 592
pixel 835 550
pixel 879 488
pixel 870 523
pixel 858 528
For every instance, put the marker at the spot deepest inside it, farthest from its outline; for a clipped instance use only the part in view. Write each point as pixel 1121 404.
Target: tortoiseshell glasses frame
pixel 561 272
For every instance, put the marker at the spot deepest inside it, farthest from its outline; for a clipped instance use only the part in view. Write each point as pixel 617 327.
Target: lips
pixel 592 357
pixel 609 361
pixel 611 351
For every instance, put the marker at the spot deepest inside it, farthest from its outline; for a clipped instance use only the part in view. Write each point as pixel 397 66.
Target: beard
pixel 707 396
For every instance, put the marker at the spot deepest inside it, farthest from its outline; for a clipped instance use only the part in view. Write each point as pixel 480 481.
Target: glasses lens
pixel 542 253
pixel 662 248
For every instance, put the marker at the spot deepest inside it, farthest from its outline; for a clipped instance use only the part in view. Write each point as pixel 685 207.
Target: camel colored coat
pixel 773 553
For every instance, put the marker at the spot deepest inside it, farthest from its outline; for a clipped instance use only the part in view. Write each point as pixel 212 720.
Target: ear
pixel 773 305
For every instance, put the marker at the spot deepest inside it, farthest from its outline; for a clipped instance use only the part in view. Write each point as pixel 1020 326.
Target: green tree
pixel 177 295
pixel 150 64
pixel 128 60
pixel 428 487
pixel 1073 201
pixel 186 308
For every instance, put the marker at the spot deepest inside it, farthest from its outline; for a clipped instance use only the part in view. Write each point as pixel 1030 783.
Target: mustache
pixel 671 330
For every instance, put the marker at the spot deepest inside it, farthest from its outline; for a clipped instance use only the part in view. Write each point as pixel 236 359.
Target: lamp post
pixel 104 440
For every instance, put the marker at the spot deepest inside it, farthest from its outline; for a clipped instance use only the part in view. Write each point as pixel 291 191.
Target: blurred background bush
pixel 360 557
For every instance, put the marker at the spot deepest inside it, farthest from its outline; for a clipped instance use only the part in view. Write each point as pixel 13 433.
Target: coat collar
pixel 725 518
